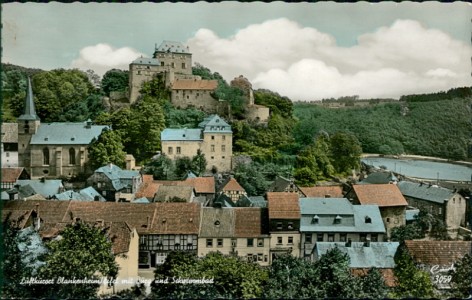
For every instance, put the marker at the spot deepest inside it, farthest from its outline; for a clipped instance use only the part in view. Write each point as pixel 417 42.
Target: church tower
pixel 28 124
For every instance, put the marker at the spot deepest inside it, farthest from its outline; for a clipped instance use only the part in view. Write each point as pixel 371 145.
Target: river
pixel 422 168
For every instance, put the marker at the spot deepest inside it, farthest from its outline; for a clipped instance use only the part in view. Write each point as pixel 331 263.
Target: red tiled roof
pixel 387 274
pixel 191 84
pixel 11 174
pixel 177 218
pixel 248 222
pixel 437 252
pixel 49 211
pixel 334 191
pixel 147 189
pixel 18 217
pixel 233 185
pixel 283 205
pixel 202 185
pixel 383 195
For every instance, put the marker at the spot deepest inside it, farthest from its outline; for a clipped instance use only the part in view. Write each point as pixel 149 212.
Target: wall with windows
pixel 58 160
pixel 176 149
pixel 154 248
pixel 392 217
pixel 218 149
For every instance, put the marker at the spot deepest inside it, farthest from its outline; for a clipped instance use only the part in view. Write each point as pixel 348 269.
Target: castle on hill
pixel 173 61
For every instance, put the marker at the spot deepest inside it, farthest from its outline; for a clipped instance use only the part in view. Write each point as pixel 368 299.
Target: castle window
pixel 71 156
pixel 139 72
pixel 172 65
pixel 223 148
pixel 162 63
pixel 212 148
pixel 223 137
pixel 169 150
pixel 178 150
pixel 184 66
pixel 45 156
pixel 212 137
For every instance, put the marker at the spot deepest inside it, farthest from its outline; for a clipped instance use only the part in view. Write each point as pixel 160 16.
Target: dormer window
pixel 217 223
pixel 368 220
pixel 338 219
pixel 315 220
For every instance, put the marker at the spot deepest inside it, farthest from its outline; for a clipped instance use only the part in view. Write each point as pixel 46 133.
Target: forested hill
pixel 433 125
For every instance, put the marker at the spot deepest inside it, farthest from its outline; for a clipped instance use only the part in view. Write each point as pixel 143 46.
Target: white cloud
pixel 103 57
pixel 306 64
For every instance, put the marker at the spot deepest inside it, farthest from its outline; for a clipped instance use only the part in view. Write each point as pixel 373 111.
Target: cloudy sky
pixel 306 51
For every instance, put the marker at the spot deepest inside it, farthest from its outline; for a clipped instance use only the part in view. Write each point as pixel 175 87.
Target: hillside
pixel 438 128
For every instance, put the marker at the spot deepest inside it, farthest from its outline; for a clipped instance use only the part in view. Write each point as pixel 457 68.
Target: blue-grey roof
pixel 410 214
pixel 66 134
pixel 215 124
pixel 46 188
pixel 141 200
pixel 173 47
pixel 184 134
pixel 118 177
pixel 376 255
pixel 91 193
pixel 424 191
pixel 379 178
pixel 352 217
pixel 258 201
pixel 146 61
pixel 30 112
pixel 5 195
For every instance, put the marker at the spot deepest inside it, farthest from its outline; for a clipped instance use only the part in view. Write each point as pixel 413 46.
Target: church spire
pixel 30 112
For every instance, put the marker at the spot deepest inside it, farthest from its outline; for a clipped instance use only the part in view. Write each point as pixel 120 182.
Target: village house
pixel 232 189
pixel 86 194
pixel 53 149
pixel 37 188
pixel 9 177
pixel 9 145
pixel 174 193
pixel 323 191
pixel 448 205
pixel 114 183
pixel 337 220
pixel 388 197
pixel 364 256
pixel 214 138
pixel 282 184
pixel 438 258
pixel 284 224
pixel 380 178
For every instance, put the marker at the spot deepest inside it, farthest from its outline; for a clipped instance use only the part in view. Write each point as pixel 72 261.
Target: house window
pixel 290 240
pixel 223 148
pixel 368 220
pixel 260 256
pixel 338 219
pixel 363 237
pixel 290 225
pixel 212 149
pixel 260 242
pixel 71 156
pixel 234 242
pixel 330 237
pixel 209 243
pixel 26 127
pixel 319 237
pixel 212 137
pixel 46 156
pixel 250 257
pixel 279 240
pixel 374 237
pixel 223 137
pixel 169 150
pixel 308 238
pixel 342 237
pixel 162 63
pixel 250 242
pixel 177 150
pixel 212 157
pixel 184 66
pixel 388 220
pixel 279 225
pixel 219 242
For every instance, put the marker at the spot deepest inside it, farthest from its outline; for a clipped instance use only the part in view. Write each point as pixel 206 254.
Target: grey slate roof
pixel 173 47
pixel 146 61
pixel 215 124
pixel 170 134
pixel 377 255
pixel 217 222
pixel 254 201
pixel 141 200
pixel 66 134
pixel 410 214
pixel 87 194
pixel 353 217
pixel 10 133
pixel 224 200
pixel 118 177
pixel 424 191
pixel 46 188
pixel 30 112
pixel 379 178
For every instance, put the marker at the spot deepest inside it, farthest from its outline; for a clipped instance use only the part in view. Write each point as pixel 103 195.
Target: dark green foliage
pixel 232 277
pixel 88 108
pixel 115 81
pixel 463 92
pixel 407 232
pixel 461 282
pixel 251 178
pixel 345 152
pixel 373 285
pixel 182 118
pixel 438 128
pixel 424 224
pixel 279 105
pixel 411 282
pixel 83 252
pixel 183 165
pixel 162 168
pixel 108 148
pixel 199 163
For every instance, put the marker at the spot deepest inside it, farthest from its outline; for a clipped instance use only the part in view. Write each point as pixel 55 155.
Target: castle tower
pixel 28 124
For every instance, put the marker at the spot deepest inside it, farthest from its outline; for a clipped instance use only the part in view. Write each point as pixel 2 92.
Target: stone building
pixel 9 145
pixel 199 94
pixel 53 149
pixel 254 112
pixel 214 138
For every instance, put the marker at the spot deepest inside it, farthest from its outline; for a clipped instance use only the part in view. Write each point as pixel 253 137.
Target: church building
pixel 53 149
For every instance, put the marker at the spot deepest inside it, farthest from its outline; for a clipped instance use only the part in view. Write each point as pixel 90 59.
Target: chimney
pixel 348 243
pixel 367 242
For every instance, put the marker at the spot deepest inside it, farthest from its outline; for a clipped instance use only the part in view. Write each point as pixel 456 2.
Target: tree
pixel 461 282
pixel 373 285
pixel 115 80
pixel 82 252
pixel 407 232
pixel 410 281
pixel 304 176
pixel 199 163
pixel 108 148
pixel 346 152
pixel 162 168
pixel 251 178
pixel 183 165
